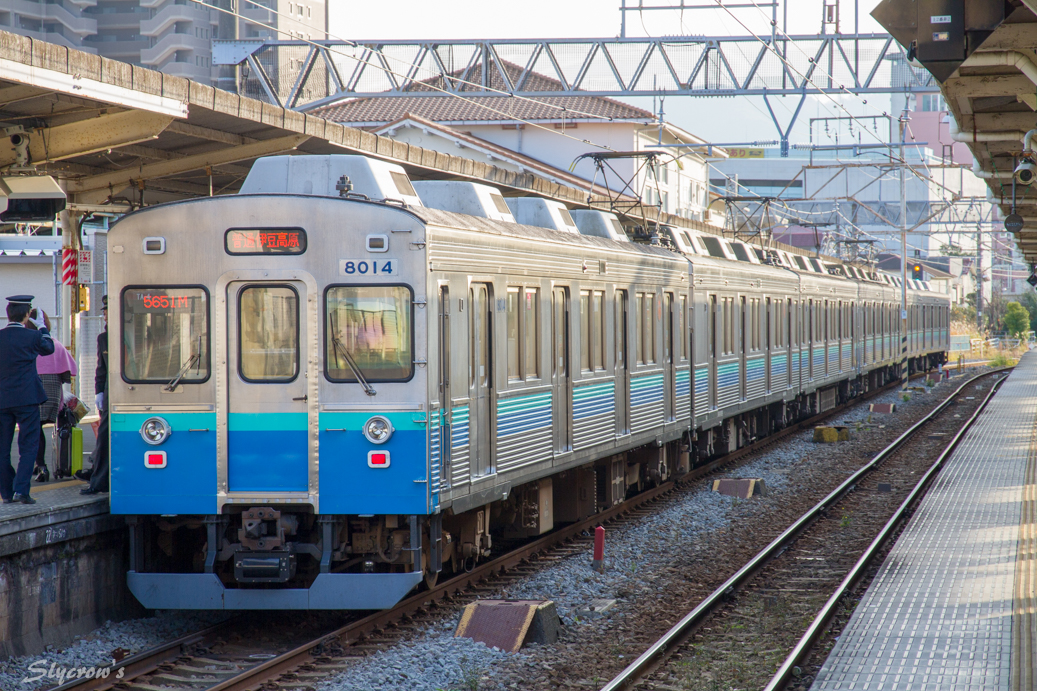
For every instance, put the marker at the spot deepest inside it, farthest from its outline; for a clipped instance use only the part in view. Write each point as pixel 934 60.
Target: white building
pixel 171 36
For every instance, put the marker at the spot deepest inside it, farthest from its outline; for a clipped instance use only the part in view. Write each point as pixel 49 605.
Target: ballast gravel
pixel 432 659
pixel 94 651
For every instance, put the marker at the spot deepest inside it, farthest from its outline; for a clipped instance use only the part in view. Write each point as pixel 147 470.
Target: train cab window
pixel 165 334
pixel 522 309
pixel 368 329
pixel 268 333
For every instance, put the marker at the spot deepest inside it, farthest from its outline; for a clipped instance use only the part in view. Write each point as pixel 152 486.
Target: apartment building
pixel 171 36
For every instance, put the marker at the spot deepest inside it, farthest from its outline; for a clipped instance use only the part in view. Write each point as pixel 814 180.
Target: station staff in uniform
pixel 99 459
pixel 21 393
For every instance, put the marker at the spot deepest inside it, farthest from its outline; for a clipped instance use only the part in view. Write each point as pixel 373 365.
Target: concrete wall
pixel 62 580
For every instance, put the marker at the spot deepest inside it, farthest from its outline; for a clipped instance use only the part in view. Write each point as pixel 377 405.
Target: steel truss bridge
pixel 303 75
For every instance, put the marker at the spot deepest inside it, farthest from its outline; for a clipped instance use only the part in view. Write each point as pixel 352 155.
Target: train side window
pixel 369 325
pixel 639 310
pixel 648 333
pixel 597 332
pixel 522 324
pixel 668 327
pixel 728 345
pixel 268 333
pixel 163 329
pixel 682 324
pixel 585 330
pixel 769 309
pixel 711 326
pixel 514 373
pixel 531 331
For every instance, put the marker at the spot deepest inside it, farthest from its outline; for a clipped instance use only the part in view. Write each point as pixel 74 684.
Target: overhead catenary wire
pixel 354 44
pixel 470 101
pixel 767 45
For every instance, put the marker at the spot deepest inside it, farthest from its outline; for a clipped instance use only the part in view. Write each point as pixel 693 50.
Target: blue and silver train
pixel 331 387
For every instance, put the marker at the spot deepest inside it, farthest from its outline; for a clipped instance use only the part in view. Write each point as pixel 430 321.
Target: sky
pixel 740 119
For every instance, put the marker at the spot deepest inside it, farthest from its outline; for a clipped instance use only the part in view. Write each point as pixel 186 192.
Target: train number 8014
pixel 368 267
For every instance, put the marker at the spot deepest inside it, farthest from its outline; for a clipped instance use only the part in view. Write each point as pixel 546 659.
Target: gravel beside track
pixel 97 647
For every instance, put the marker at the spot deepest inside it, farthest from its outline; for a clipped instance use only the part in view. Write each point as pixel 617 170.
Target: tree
pixel 1029 300
pixel 995 311
pixel 1016 319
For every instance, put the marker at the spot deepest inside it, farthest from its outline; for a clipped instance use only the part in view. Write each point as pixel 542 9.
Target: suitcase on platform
pixel 69 457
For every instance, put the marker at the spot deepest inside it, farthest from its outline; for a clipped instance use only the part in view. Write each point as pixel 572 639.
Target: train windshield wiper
pixel 183 371
pixel 345 355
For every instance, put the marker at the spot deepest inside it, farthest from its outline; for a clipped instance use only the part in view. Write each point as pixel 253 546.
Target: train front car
pixel 269 406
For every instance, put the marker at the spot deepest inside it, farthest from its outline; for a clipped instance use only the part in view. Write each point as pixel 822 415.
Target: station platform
pixel 62 565
pixel 953 606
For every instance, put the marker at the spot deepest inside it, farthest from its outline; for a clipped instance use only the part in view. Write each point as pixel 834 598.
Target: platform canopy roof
pixel 992 97
pixel 111 131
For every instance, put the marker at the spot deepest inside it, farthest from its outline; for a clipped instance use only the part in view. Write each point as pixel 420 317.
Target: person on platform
pixel 99 458
pixel 21 393
pixel 55 369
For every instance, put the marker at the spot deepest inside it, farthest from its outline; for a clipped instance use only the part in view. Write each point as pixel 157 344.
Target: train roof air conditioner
pixel 320 176
pixel 545 213
pixel 462 197
pixel 599 223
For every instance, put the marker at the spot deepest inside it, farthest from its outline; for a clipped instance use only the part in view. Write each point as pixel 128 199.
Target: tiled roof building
pixel 434 105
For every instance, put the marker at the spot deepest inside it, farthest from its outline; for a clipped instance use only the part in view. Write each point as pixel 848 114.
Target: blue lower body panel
pixel 329 591
pixel 267 461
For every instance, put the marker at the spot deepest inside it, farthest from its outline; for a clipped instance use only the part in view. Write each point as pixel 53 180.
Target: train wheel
pixel 431 578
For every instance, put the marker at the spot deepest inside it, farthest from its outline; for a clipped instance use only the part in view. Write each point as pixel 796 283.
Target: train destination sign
pixel 266 241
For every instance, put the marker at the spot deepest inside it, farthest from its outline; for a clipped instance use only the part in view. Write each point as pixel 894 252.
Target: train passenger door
pixel 788 336
pixel 769 342
pixel 480 380
pixel 268 405
pixel 669 350
pixel 810 339
pixel 561 372
pixel 622 365
pixel 714 349
pixel 445 396
pixel 743 324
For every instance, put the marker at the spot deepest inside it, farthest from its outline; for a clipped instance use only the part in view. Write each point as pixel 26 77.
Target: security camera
pixel 1026 173
pixel 20 142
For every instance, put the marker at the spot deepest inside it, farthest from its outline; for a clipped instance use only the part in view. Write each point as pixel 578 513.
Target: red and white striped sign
pixel 69 266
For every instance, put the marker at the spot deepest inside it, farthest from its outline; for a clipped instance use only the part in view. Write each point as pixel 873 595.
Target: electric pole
pixel 903 252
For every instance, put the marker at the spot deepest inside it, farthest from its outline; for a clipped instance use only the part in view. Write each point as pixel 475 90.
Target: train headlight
pixel 378 430
pixel 155 430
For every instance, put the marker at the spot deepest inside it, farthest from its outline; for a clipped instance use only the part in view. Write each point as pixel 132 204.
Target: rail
pixel 679 632
pixel 818 625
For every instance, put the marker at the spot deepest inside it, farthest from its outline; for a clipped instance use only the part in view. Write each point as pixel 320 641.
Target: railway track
pixel 776 607
pixel 231 657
